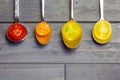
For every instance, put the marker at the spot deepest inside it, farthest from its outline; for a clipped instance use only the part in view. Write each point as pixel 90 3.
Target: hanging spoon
pixel 16 32
pixel 43 30
pixel 102 30
pixel 71 31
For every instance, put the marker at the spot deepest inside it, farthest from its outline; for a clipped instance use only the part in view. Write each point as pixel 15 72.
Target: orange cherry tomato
pixel 43 28
pixel 16 32
pixel 43 32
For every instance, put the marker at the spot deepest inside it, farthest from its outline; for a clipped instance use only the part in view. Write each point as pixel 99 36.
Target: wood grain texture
pixel 112 11
pixel 85 10
pixel 93 72
pixel 57 10
pixel 6 11
pixel 31 72
pixel 30 10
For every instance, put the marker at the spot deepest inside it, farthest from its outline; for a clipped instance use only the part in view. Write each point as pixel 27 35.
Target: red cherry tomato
pixel 16 32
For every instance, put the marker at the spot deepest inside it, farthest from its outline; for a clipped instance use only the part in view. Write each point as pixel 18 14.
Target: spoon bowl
pixel 71 34
pixel 16 32
pixel 102 31
pixel 43 32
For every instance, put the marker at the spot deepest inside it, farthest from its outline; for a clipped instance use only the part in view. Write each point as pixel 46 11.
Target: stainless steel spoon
pixel 71 31
pixel 102 30
pixel 16 32
pixel 43 30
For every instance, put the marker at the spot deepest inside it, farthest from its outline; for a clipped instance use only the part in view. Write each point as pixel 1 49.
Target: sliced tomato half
pixel 16 32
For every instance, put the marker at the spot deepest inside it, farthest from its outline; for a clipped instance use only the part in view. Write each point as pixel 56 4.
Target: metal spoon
pixel 16 32
pixel 102 30
pixel 43 30
pixel 71 31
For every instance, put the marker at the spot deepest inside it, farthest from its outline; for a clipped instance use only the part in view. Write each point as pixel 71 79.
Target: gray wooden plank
pixel 85 10
pixel 6 10
pixel 57 10
pixel 92 71
pixel 111 10
pixel 30 10
pixel 31 72
pixel 55 52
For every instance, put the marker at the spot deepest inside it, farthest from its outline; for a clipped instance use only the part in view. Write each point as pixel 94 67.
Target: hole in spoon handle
pixel 71 9
pixel 101 10
pixel 43 6
pixel 16 18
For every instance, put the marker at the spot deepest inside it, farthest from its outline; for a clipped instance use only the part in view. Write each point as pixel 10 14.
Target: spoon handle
pixel 101 10
pixel 71 9
pixel 16 11
pixel 43 7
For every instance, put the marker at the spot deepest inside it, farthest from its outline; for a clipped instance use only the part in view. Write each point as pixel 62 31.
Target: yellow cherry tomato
pixel 102 31
pixel 71 34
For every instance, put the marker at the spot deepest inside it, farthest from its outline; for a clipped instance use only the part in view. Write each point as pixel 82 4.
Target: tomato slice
pixel 16 32
pixel 102 32
pixel 43 28
pixel 71 34
pixel 43 32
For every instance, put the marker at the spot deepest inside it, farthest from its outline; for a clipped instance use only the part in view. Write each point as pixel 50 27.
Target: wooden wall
pixel 29 60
